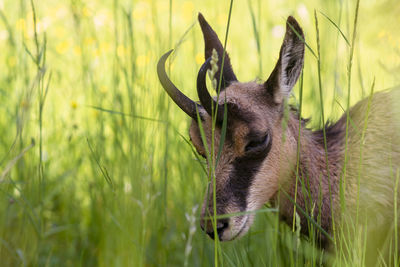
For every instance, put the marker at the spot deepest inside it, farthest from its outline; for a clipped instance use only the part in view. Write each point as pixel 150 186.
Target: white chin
pixel 238 229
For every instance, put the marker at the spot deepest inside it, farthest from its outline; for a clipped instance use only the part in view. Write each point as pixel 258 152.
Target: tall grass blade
pixel 336 26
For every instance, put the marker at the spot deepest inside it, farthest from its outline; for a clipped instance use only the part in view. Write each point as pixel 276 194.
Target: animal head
pixel 254 153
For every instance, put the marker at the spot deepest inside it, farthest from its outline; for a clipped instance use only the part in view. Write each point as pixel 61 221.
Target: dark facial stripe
pixel 245 169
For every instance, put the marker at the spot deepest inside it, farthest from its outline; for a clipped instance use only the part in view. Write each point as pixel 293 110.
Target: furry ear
pixel 211 42
pixel 290 63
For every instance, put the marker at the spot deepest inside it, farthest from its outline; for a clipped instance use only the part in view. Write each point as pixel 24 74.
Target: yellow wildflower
pixel 121 50
pixel 199 58
pixel 103 89
pixel 77 50
pixel 188 9
pixel 86 12
pixel 12 61
pixel 62 47
pixel 74 104
pixel 142 60
pixel 21 25
pixel 88 41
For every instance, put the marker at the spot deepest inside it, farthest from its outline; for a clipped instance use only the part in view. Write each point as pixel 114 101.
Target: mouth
pixel 241 229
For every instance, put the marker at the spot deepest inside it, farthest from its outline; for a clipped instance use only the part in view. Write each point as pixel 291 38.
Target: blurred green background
pixel 109 180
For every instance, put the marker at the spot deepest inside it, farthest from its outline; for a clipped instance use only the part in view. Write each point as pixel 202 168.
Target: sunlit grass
pixel 109 180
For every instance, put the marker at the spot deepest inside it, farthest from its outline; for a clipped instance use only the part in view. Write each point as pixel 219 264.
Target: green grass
pixel 109 179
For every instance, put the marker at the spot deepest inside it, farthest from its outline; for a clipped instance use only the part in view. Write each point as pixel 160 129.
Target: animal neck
pixel 314 181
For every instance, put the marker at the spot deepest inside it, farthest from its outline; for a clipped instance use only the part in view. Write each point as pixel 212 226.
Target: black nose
pixel 221 226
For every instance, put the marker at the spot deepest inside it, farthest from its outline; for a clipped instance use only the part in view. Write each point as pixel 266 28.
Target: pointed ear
pixel 211 42
pixel 290 63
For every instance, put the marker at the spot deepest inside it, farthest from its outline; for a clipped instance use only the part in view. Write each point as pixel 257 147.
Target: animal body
pixel 350 184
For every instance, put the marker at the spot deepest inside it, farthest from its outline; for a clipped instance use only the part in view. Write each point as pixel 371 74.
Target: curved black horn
pixel 185 103
pixel 205 98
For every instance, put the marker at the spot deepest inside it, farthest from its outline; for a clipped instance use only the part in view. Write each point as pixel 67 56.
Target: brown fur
pixel 259 161
pixel 315 185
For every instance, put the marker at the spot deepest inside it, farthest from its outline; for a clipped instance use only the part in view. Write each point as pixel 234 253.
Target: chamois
pixel 350 183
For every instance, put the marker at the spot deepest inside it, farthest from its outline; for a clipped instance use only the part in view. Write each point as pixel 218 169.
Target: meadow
pixel 95 164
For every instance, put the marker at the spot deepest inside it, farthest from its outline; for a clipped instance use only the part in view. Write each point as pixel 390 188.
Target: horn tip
pixel 200 16
pixel 165 56
pixel 161 63
pixel 203 22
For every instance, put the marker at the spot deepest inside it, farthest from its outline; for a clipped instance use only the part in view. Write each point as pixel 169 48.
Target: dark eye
pixel 258 144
